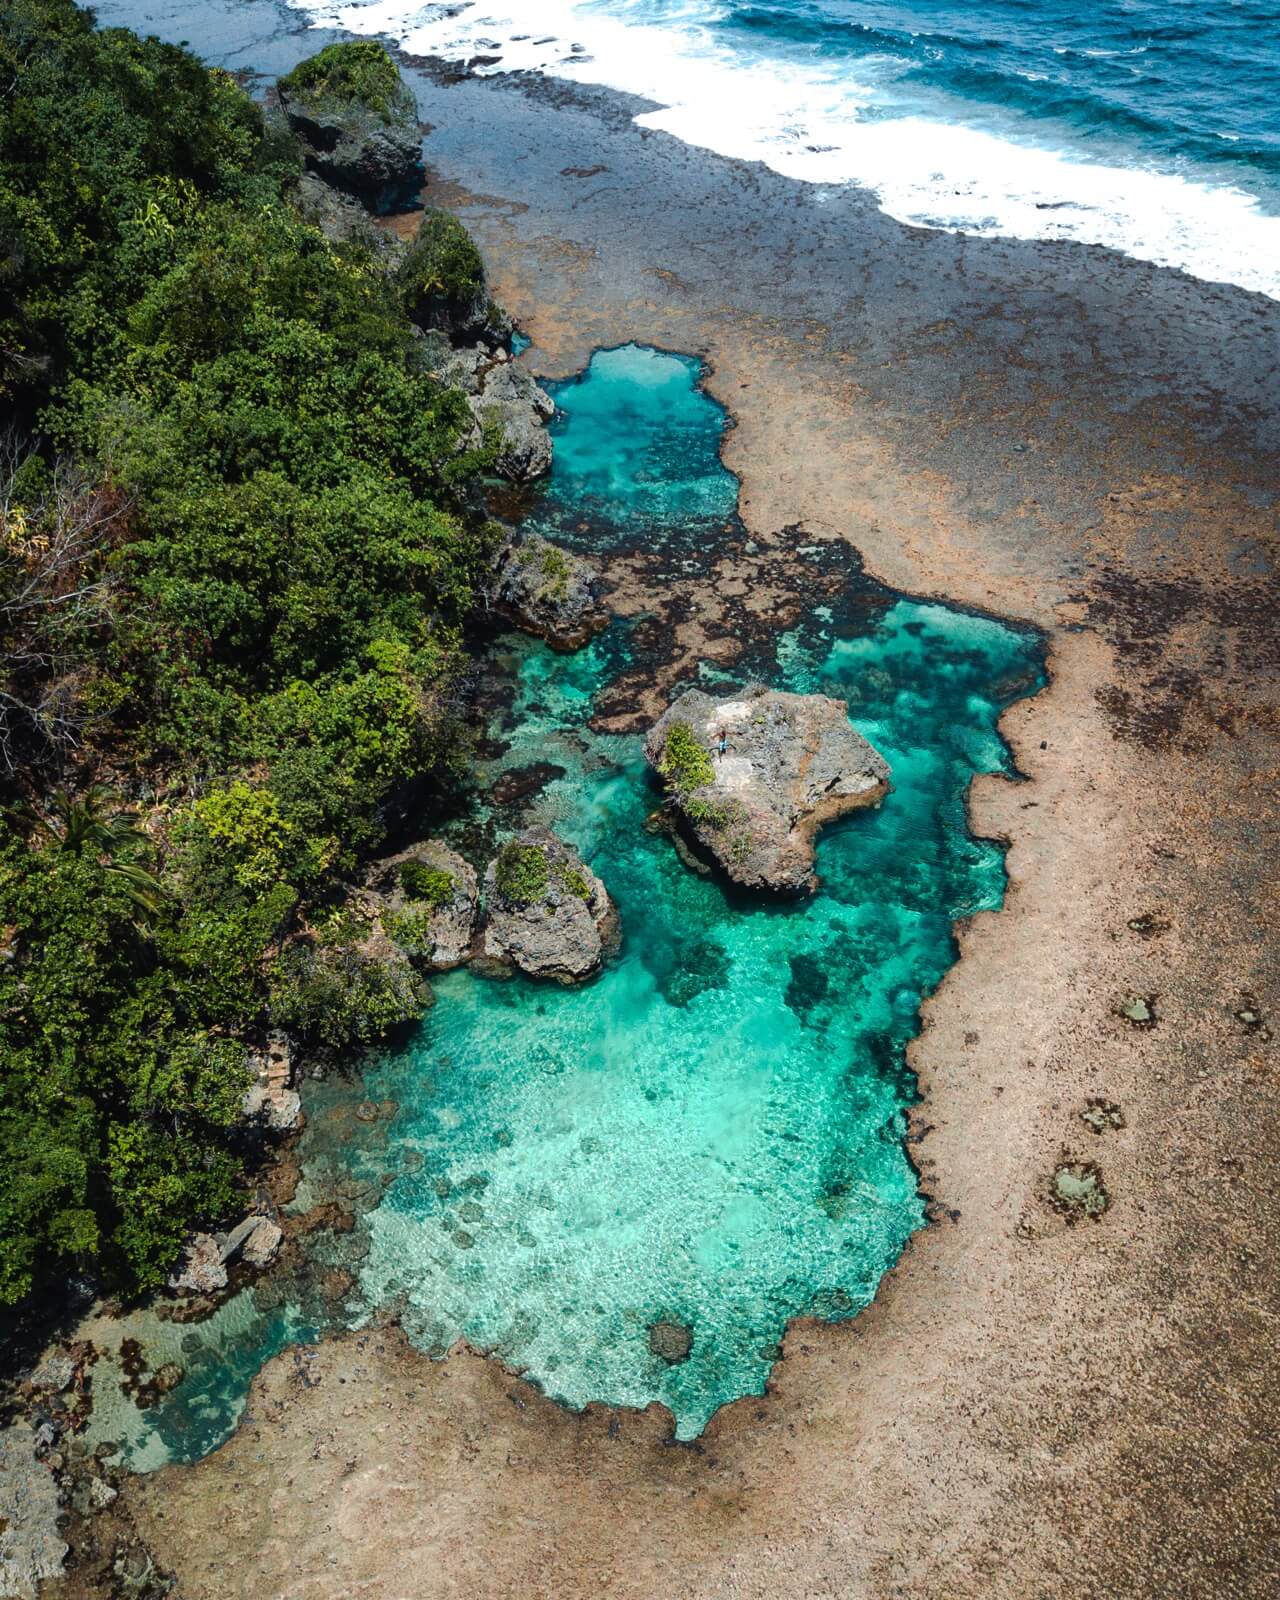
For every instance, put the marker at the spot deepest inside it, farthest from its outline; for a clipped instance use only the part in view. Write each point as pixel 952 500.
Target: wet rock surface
pixel 753 777
pixel 425 901
pixel 546 911
pixel 548 592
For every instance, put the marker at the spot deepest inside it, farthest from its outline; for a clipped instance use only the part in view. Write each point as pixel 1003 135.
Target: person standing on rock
pixel 724 743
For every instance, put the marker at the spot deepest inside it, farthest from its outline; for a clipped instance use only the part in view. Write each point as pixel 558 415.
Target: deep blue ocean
pixel 1152 126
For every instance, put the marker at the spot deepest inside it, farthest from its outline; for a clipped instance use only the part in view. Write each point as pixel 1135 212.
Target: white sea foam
pixel 816 122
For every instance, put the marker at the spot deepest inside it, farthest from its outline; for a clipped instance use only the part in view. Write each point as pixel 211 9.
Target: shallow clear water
pixel 711 1133
pixel 637 451
pixel 1147 125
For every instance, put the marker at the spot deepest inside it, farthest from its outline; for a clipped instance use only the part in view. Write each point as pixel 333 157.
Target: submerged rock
pixel 547 913
pixel 790 764
pixel 671 1340
pixel 548 592
pixel 357 120
pixel 425 900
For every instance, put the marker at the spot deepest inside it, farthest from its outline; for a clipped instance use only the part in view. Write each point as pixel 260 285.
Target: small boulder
pixel 546 912
pixel 259 1249
pixel 357 120
pixel 200 1268
pixel 546 591
pixel 789 764
pixel 425 900
pixel 255 1240
pixel 671 1340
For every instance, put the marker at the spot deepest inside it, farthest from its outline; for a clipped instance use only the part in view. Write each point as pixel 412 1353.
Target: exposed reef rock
pixel 357 120
pixel 548 592
pixel 790 764
pixel 31 1546
pixel 502 396
pixel 200 1269
pixel 425 901
pixel 271 1100
pixel 547 913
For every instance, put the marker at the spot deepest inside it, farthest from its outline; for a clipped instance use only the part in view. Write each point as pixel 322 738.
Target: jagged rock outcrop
pixel 546 912
pixel 272 1101
pixel 501 395
pixel 200 1268
pixel 546 591
pixel 357 120
pixel 425 901
pixel 790 764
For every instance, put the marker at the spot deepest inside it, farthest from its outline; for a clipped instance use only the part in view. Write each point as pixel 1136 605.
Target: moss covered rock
pixel 546 911
pixel 357 121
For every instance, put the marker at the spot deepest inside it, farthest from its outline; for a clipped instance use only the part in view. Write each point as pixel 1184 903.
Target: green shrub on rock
pixel 358 70
pixel 429 885
pixel 441 278
pixel 522 874
pixel 686 762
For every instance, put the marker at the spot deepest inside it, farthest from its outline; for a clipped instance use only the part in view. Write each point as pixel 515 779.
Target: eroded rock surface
pixel 271 1100
pixel 548 592
pixel 369 146
pixel 546 912
pixel 201 1268
pixel 790 763
pixel 31 1548
pixel 501 394
pixel 426 899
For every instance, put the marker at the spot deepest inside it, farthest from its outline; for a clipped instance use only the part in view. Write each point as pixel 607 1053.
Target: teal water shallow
pixel 712 1132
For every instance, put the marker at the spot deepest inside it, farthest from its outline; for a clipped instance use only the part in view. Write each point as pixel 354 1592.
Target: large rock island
pixel 753 778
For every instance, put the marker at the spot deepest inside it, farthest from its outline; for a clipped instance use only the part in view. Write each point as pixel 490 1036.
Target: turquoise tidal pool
pixel 711 1133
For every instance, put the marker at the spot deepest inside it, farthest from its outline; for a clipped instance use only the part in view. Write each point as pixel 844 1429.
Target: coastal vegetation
pixel 241 538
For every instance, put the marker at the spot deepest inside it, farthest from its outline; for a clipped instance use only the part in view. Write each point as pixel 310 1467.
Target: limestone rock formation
pixel 357 120
pixel 548 592
pixel 31 1546
pixel 501 395
pixel 546 912
pixel 201 1269
pixel 271 1100
pixel 425 900
pixel 790 764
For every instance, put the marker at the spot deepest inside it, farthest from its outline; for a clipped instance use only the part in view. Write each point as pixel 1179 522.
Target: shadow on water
pixel 710 1134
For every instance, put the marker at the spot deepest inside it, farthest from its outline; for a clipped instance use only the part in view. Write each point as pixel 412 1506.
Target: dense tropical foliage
pixel 239 542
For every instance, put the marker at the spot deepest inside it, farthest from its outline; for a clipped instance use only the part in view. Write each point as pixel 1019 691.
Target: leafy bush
pixel 360 70
pixel 522 874
pixel 575 882
pixel 685 762
pixel 291 547
pixel 340 998
pixel 431 885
